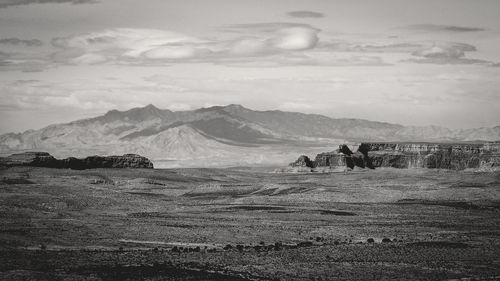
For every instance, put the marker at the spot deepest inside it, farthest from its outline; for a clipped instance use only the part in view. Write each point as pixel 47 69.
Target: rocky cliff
pixel 44 159
pixel 411 155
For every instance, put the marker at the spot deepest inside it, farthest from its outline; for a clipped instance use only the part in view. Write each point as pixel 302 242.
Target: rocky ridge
pixel 44 159
pixel 407 155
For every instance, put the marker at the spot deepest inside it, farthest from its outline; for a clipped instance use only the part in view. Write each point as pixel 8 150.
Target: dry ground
pixel 119 224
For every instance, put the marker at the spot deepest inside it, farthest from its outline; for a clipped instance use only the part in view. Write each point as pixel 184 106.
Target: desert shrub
pixel 386 240
pixel 305 244
pixel 240 247
pixel 228 247
pixel 370 240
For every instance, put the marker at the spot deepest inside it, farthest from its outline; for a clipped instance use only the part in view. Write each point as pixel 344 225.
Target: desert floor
pixel 248 224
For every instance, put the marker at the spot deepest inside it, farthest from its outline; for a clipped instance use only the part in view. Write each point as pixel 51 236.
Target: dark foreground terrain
pixel 230 224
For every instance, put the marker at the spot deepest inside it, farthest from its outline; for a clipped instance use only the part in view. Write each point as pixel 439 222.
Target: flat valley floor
pixel 246 224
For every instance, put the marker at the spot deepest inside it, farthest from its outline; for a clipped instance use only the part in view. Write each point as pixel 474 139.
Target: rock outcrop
pixel 411 155
pixel 44 159
pixel 37 159
pixel 303 161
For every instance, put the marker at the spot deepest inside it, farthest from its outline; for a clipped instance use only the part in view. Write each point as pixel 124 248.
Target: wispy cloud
pixel 305 14
pixel 8 3
pixel 441 28
pixel 24 42
pixel 432 52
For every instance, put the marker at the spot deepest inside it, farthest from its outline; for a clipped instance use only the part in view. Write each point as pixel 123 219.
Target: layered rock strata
pixel 410 155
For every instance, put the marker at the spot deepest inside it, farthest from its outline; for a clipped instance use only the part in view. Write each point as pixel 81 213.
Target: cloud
pixel 305 14
pixel 384 47
pixel 179 107
pixel 295 106
pixel 432 52
pixel 264 27
pixel 446 53
pixel 295 38
pixel 8 3
pixel 442 28
pixel 24 42
pixel 150 46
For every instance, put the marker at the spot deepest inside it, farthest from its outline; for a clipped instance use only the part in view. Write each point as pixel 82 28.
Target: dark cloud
pixel 8 3
pixel 436 27
pixel 305 14
pixel 24 42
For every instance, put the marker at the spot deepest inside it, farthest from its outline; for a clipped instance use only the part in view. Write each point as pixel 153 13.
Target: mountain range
pixel 220 135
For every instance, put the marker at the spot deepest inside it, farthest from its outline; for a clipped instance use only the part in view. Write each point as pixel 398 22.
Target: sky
pixel 426 62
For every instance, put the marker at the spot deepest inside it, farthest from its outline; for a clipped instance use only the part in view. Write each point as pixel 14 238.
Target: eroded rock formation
pixel 411 155
pixel 44 159
pixel 303 161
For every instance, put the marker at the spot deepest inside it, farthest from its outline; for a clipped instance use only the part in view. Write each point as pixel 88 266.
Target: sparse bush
pixel 305 244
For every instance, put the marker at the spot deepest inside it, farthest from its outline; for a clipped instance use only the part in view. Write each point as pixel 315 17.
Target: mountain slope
pixel 220 132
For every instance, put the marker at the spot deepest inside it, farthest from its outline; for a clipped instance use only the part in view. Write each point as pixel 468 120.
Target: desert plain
pixel 248 224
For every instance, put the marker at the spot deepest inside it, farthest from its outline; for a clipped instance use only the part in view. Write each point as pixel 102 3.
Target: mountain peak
pixel 234 106
pixel 151 107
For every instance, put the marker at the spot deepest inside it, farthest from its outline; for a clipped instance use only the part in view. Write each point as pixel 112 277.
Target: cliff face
pixel 44 159
pixel 438 156
pixel 412 155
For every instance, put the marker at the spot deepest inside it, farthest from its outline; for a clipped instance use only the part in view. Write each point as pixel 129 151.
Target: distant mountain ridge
pixel 229 133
